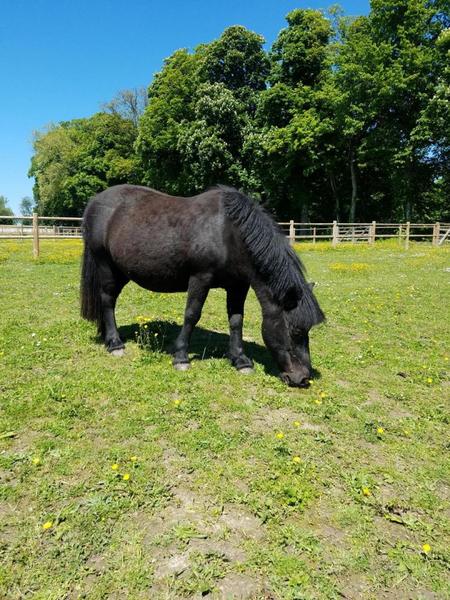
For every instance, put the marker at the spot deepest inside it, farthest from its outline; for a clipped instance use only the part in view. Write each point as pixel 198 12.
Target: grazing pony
pixel 218 239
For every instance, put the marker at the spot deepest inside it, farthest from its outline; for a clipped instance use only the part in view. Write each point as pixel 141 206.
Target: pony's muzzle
pixel 300 380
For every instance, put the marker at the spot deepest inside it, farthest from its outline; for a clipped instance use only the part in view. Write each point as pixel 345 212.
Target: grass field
pixel 122 478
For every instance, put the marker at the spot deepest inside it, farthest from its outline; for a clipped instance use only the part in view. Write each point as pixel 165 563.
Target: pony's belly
pixel 163 280
pixel 161 285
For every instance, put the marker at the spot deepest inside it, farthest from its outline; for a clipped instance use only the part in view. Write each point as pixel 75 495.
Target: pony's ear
pixel 290 299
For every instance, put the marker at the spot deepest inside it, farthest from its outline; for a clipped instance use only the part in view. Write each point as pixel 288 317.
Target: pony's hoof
pixel 246 371
pixel 117 352
pixel 182 366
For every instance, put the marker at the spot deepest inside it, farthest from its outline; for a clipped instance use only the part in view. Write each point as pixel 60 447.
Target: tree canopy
pixel 342 117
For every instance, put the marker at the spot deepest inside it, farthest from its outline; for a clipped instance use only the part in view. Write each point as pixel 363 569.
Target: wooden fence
pixel 36 228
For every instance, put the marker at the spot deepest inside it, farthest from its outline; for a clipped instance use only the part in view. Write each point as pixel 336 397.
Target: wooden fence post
pixel 35 236
pixel 291 232
pixel 436 231
pixel 408 224
pixel 372 232
pixel 335 239
pixel 400 233
pixel 314 235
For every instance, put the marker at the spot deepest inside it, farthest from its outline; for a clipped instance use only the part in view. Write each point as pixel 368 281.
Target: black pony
pixel 219 238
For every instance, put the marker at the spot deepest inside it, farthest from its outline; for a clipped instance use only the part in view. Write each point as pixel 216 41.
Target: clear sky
pixel 61 59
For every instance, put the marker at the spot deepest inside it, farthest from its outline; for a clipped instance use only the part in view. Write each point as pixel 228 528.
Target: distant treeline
pixel 343 118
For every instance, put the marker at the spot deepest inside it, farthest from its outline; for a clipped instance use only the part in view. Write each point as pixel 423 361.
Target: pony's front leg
pixel 197 292
pixel 235 307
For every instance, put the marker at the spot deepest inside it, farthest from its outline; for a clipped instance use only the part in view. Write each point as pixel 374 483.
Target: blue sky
pixel 60 59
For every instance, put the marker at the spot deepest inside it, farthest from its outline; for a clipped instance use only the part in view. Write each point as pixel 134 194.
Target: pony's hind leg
pixel 235 307
pixel 197 292
pixel 111 284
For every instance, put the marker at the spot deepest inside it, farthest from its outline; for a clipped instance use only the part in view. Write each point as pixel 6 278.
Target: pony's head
pixel 286 334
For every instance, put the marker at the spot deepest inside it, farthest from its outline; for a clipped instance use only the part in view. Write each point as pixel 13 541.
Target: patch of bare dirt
pixel 281 419
pixel 354 587
pixel 215 530
pixel 238 586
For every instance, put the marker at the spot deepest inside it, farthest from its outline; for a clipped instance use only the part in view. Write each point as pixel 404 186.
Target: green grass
pixel 215 506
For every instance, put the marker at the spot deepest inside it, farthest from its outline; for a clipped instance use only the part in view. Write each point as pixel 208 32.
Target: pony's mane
pixel 274 260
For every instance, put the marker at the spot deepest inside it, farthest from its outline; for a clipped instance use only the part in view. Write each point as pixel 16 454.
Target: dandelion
pixel 297 423
pixel 280 435
pixel 47 525
pixel 126 476
pixel 311 381
pixel 323 394
pixel 380 430
pixel 366 491
pixel 177 402
pixel 296 460
pixel 429 380
pixel 426 548
pixel 407 432
pixel 318 401
pixel 115 467
pixel 36 461
pixel 133 458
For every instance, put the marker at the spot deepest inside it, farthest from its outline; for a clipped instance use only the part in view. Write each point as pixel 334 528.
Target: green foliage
pixel 5 210
pixel 26 206
pixel 76 159
pixel 299 53
pixel 237 60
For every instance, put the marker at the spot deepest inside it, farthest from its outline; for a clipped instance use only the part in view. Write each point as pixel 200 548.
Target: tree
pixel 26 206
pixel 170 104
pixel 5 211
pixel 292 129
pixel 199 113
pixel 299 53
pixel 236 60
pixel 76 159
pixel 128 104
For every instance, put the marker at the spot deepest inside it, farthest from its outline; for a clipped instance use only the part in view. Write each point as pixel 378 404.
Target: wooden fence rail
pixel 36 228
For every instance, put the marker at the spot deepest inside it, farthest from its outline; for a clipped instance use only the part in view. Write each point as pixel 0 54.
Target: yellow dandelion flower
pixel 380 430
pixel 429 380
pixel 296 459
pixel 426 548
pixel 318 401
pixel 297 423
pixel 126 476
pixel 133 458
pixel 115 467
pixel 366 491
pixel 445 358
pixel 280 435
pixel 36 460
pixel 177 402
pixel 323 395
pixel 311 382
pixel 47 525
pixel 406 432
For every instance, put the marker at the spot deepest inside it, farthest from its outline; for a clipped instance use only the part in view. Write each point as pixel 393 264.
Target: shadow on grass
pixel 205 343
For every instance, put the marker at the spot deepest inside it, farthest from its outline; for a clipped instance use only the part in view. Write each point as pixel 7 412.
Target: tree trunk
pixel 332 180
pixel 354 200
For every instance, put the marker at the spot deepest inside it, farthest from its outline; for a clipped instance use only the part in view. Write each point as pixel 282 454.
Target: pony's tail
pixel 91 307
